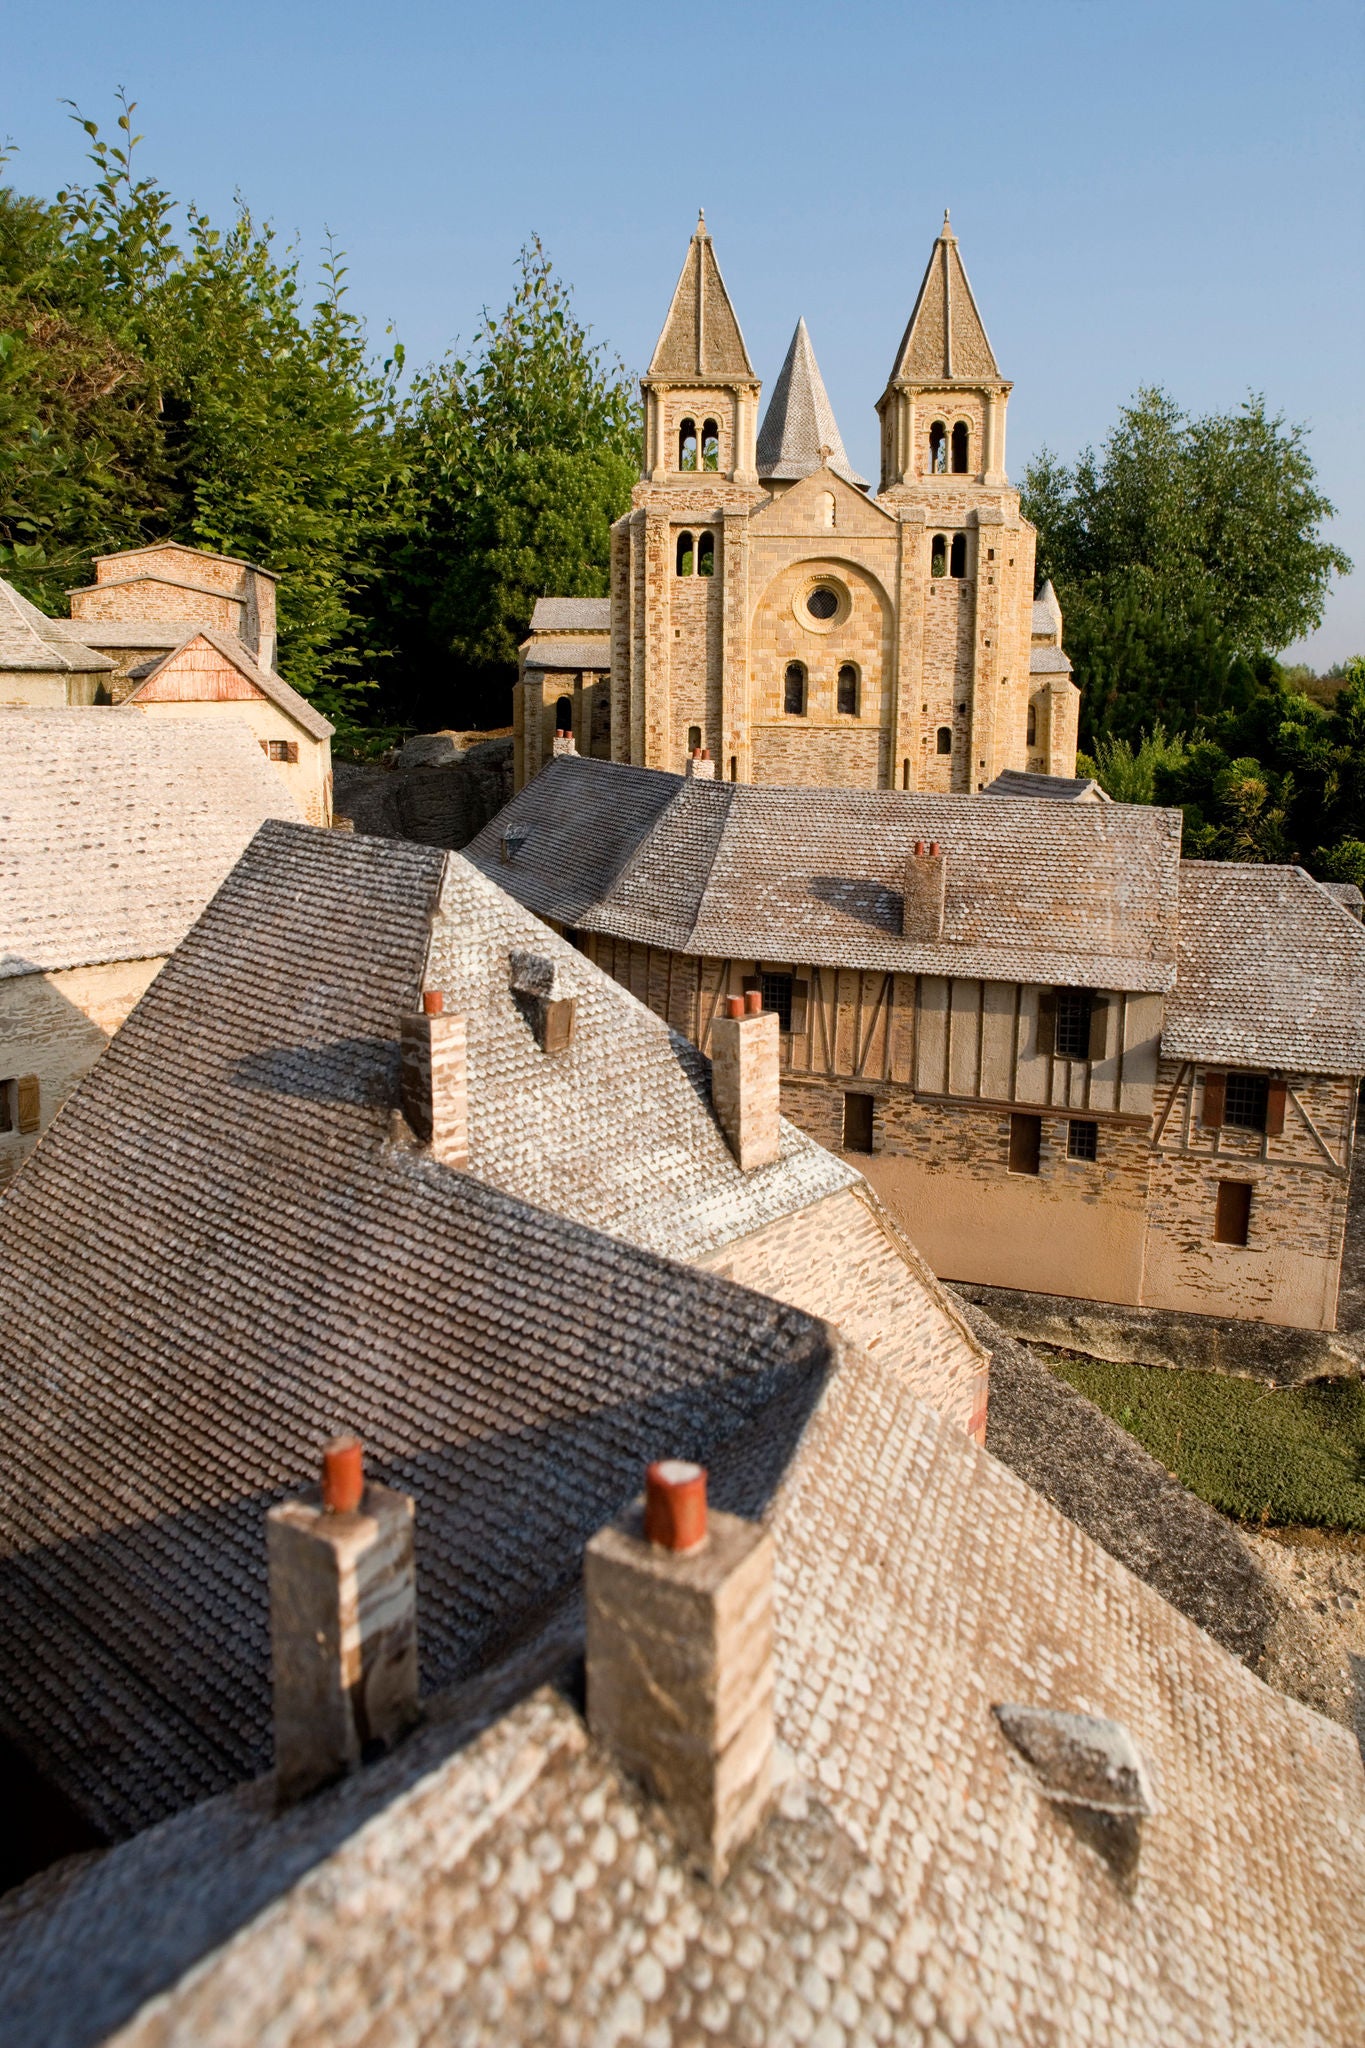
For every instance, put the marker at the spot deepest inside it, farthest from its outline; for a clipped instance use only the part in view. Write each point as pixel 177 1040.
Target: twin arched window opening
pixel 944 560
pixel 696 555
pixel 688 457
pixel 794 690
pixel 943 446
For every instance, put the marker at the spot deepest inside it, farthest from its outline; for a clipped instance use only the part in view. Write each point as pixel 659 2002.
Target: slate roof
pixel 1048 661
pixel 1066 789
pixel 30 642
pixel 271 686
pixel 498 1879
pixel 1272 972
pixel 799 422
pixel 571 615
pixel 124 632
pixel 558 651
pixel 1082 893
pixel 1047 614
pixel 116 829
pixel 945 339
pixel 225 1250
pixel 701 341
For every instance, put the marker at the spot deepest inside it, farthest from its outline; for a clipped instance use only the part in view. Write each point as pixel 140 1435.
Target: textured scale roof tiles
pixel 498 1879
pixel 226 1250
pixel 115 830
pixel 799 422
pixel 1272 972
pixel 945 340
pixel 701 342
pixel 1048 661
pixel 1066 789
pixel 271 686
pixel 571 615
pixel 1082 893
pixel 31 643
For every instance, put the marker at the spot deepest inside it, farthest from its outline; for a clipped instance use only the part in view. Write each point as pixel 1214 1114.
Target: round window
pixel 822 603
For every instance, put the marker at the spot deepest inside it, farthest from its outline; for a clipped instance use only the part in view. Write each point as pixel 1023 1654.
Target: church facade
pixel 771 619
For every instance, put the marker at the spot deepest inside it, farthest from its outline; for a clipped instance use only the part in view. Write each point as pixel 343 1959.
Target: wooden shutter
pixel 1100 1007
pixel 1047 1021
pixel 1215 1093
pixel 800 998
pixel 30 1103
pixel 1275 1094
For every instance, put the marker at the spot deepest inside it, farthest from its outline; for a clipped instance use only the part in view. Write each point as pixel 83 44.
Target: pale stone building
pixel 776 623
pixel 114 833
pixel 1068 1061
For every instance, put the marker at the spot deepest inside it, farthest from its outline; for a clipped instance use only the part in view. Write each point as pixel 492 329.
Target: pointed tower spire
pixel 701 336
pixel 946 339
pixel 799 433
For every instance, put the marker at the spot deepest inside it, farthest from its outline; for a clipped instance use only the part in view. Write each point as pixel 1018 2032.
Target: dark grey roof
pixel 32 643
pixel 115 829
pixel 1345 893
pixel 1066 789
pixel 1047 614
pixel 800 422
pixel 1048 661
pixel 1076 893
pixel 1272 972
pixel 220 1255
pixel 149 633
pixel 271 686
pixel 557 650
pixel 571 615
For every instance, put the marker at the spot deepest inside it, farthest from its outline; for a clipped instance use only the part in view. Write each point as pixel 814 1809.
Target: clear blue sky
pixel 1157 192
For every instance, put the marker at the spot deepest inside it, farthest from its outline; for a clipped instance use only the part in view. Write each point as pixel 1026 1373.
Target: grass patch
pixel 1262 1454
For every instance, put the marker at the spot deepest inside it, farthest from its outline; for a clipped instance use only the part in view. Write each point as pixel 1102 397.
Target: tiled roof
pixel 945 338
pixel 498 1879
pixel 224 1251
pixel 1066 789
pixel 701 338
pixel 800 421
pixel 557 650
pixel 271 686
pixel 571 615
pixel 1077 893
pixel 116 829
pixel 124 632
pixel 1048 661
pixel 1047 614
pixel 30 642
pixel 1272 972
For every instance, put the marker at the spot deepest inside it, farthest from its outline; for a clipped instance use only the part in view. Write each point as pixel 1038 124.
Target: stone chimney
pixel 745 1081
pixel 539 994
pixel 926 880
pixel 343 1623
pixel 700 766
pixel 680 1660
pixel 564 743
pixel 435 1079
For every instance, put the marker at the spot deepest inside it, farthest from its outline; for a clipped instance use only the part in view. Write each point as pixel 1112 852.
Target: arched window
pixel 846 690
pixel 827 510
pixel 684 554
pixel 959 562
pixel 938 449
pixel 960 448
pixel 1031 729
pixel 564 714
pixel 945 740
pixel 710 445
pixel 693 738
pixel 687 445
pixel 938 555
pixel 706 555
pixel 794 690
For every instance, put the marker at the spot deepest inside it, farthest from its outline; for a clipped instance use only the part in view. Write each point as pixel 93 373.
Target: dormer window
pixel 960 440
pixel 938 449
pixel 710 445
pixel 687 445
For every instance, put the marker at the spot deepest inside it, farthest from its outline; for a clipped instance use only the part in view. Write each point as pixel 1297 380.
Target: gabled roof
pixel 1078 893
pixel 115 830
pixel 701 341
pixel 1272 972
pixel 799 433
pixel 226 1249
pixel 499 1878
pixel 32 643
pixel 945 340
pixel 571 615
pixel 557 650
pixel 1066 789
pixel 263 679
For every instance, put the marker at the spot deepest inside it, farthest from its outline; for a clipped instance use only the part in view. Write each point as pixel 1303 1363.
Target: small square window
pixel 777 995
pixel 1073 1023
pixel 1082 1138
pixel 1232 1216
pixel 283 750
pixel 1026 1137
pixel 857 1123
pixel 1244 1105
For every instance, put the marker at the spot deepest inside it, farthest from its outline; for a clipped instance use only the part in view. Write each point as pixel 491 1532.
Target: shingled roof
pixel 945 341
pixel 116 829
pixel 701 341
pixel 271 686
pixel 32 643
pixel 571 615
pixel 799 433
pixel 1082 893
pixel 498 1879
pixel 224 1251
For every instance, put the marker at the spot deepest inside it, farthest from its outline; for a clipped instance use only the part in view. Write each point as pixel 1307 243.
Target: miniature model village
pixel 507 1532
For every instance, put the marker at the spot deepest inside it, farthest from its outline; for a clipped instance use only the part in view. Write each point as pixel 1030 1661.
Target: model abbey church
pixel 771 620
